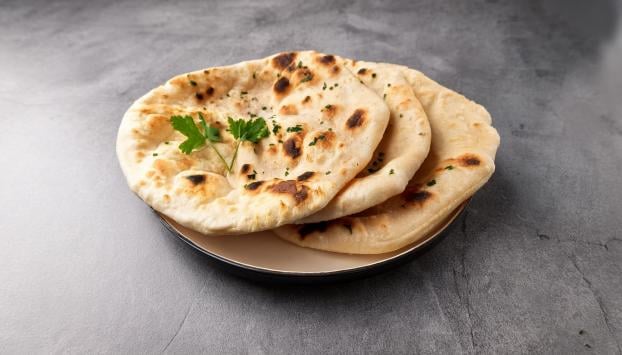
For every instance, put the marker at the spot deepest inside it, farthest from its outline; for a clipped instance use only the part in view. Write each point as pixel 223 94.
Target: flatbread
pixel 403 148
pixel 326 137
pixel 461 160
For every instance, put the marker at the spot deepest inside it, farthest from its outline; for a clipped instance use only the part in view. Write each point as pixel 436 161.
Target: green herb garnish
pixel 195 139
pixel 449 167
pixel 275 127
pixel 242 130
pixel 296 128
pixel 431 182
pixel 308 77
pixel 314 142
pixel 252 130
pixel 324 87
pixel 193 83
pixel 391 172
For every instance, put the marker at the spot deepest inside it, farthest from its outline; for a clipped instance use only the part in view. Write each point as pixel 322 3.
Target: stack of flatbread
pixel 327 152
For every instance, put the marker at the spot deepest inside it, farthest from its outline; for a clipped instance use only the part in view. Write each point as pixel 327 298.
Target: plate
pixel 264 256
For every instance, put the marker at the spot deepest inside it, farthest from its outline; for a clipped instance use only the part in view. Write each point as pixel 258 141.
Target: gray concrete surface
pixel 535 266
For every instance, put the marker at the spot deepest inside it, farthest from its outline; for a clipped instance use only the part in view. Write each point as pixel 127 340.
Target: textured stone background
pixel 534 266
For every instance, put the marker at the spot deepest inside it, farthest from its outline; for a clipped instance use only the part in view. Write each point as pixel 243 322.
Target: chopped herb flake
pixel 324 87
pixel 391 172
pixel 296 128
pixel 431 182
pixel 314 142
pixel 449 167
pixel 275 127
pixel 193 83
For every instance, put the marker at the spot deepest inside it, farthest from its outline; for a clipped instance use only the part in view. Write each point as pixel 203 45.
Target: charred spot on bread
pixel 330 111
pixel 362 71
pixel 288 110
pixel 199 96
pixel 304 75
pixel 281 86
pixel 209 91
pixel 357 119
pixel 305 176
pixel 290 187
pixel 253 185
pixel 292 147
pixel 196 179
pixel 414 194
pixel 310 228
pixel 283 60
pixel 469 160
pixel 327 59
pixel 245 168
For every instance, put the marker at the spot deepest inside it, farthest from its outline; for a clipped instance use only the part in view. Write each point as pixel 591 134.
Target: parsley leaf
pixel 211 133
pixel 252 130
pixel 185 125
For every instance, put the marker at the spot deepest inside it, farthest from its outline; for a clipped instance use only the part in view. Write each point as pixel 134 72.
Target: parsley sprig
pixel 195 139
pixel 252 131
